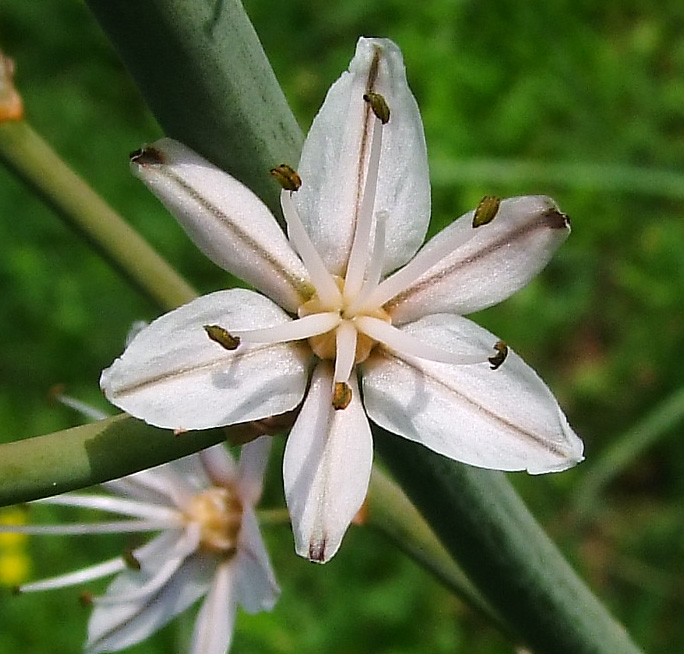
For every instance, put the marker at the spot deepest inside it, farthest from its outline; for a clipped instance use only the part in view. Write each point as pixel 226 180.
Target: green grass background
pixel 580 100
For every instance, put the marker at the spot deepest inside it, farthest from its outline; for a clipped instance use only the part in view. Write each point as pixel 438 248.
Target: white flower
pixel 210 545
pixel 361 213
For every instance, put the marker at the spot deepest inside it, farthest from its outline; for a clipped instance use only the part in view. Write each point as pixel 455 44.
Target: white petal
pixel 213 631
pixel 219 465
pixel 170 484
pixel 253 462
pixel 83 528
pixel 77 577
pixel 153 583
pixel 225 220
pixel 133 488
pixel 113 505
pixel 497 261
pixel 116 626
pixel 172 375
pixel 326 467
pixel 257 589
pixel 335 157
pixel 505 419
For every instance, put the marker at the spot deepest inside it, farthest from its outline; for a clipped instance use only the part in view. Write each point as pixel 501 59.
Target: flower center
pixel 325 345
pixel 344 319
pixel 218 512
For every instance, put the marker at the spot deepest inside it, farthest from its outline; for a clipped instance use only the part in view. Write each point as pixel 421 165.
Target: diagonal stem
pixel 521 574
pixel 35 162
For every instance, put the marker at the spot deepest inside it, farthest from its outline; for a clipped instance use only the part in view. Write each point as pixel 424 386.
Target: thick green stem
pixel 34 161
pixel 90 454
pixel 393 515
pixel 484 524
pixel 206 77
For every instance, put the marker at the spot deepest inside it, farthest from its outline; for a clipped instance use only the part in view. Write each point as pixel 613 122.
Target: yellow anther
pixel 342 396
pixel 287 177
pixel 222 336
pixel 500 356
pixel 379 106
pixel 486 211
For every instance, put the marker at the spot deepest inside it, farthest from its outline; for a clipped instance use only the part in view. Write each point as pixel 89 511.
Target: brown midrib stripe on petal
pixel 542 222
pixel 228 359
pixel 301 286
pixel 543 443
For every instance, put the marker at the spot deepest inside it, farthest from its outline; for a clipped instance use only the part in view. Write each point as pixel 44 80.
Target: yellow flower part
pixel 15 563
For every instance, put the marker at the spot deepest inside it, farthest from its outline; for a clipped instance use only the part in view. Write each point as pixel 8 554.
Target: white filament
pixel 461 232
pixel 405 343
pixel 323 281
pixel 296 330
pixel 98 571
pixel 345 343
pixel 359 255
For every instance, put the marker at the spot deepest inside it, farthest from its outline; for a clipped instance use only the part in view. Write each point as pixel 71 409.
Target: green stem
pixel 393 515
pixel 487 528
pixel 90 454
pixel 50 177
pixel 206 77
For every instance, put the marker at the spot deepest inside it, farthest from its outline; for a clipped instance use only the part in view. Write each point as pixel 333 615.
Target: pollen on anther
pixel 500 356
pixel 222 336
pixel 131 561
pixel 342 396
pixel 287 177
pixel 379 106
pixel 486 211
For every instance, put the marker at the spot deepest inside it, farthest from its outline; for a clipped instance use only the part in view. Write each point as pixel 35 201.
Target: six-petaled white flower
pixel 209 545
pixel 349 298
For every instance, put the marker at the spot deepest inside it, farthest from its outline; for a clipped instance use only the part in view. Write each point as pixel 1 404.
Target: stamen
pixel 460 233
pixel 295 330
pixel 57 392
pixel 80 529
pixel 165 572
pixel 486 211
pixel 358 257
pixel 75 578
pixel 85 599
pixel 132 508
pixel 407 344
pixel 345 347
pixel 379 106
pixel 342 396
pixel 222 336
pixel 376 261
pixel 131 561
pixel 500 356
pixel 287 177
pixel 323 281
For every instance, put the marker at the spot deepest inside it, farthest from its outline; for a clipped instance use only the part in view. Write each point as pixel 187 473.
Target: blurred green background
pixel 580 100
